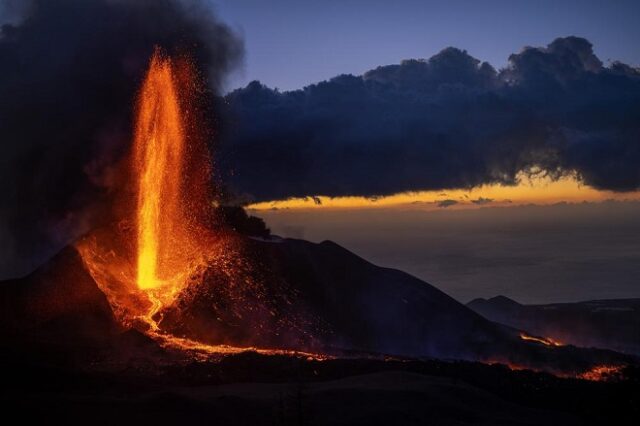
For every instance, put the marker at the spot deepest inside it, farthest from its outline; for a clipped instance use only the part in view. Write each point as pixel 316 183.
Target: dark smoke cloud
pixel 447 203
pixel 481 201
pixel 447 122
pixel 69 70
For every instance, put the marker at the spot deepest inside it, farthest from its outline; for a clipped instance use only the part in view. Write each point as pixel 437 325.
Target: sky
pixel 477 180
pixel 542 191
pixel 563 252
pixel 540 241
pixel 292 43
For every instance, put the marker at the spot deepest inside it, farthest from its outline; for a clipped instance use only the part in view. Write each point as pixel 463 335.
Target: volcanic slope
pixel 611 324
pixel 294 295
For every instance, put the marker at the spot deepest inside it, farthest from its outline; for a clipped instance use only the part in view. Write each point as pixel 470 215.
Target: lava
pixel 547 341
pixel 168 237
pixel 168 250
pixel 158 158
pixel 596 373
pixel 163 246
pixel 161 228
pixel 601 373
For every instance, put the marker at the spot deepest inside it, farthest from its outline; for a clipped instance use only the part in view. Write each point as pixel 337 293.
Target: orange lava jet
pixel 168 246
pixel 159 147
pixel 163 227
pixel 162 243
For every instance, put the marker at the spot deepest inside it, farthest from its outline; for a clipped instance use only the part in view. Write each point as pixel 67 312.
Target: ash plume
pixel 69 72
pixel 448 122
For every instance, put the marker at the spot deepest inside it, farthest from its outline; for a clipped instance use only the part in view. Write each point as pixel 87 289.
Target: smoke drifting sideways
pixel 69 72
pixel 448 122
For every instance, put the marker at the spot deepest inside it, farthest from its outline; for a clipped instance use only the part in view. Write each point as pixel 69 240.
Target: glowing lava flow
pixel 547 341
pixel 602 373
pixel 597 373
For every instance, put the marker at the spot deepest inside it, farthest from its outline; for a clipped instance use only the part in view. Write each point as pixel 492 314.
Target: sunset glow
pixel 541 191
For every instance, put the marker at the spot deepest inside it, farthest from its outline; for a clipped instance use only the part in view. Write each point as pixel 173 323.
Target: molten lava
pixel 596 373
pixel 547 341
pixel 165 245
pixel 161 248
pixel 601 373
pixel 161 229
pixel 169 243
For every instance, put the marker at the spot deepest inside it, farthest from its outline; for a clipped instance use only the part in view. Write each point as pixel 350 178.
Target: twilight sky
pixel 292 43
pixel 429 166
pixel 468 242
pixel 531 253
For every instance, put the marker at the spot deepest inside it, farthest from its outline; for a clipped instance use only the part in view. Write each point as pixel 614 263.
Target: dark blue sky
pixel 291 43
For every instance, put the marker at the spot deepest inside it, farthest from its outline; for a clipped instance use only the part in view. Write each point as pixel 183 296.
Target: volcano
pixel 317 300
pixel 167 278
pixel 316 325
pixel 168 309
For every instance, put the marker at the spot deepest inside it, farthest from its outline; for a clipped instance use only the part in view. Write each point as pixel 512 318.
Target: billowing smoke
pixel 447 122
pixel 69 71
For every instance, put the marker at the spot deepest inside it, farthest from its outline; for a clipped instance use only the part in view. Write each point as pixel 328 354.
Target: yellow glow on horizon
pixel 541 190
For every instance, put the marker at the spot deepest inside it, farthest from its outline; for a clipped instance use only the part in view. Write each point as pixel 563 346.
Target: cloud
pixel 446 203
pixel 448 122
pixel 482 201
pixel 69 71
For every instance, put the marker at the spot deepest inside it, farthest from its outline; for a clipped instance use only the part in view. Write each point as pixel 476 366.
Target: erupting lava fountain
pixel 165 228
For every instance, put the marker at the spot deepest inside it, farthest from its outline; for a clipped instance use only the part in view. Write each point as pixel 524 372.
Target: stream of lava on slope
pixel 596 373
pixel 547 341
pixel 163 243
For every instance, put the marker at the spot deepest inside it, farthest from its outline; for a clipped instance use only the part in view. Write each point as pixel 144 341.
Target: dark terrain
pixel 611 324
pixel 66 357
pixel 347 303
pixel 249 389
